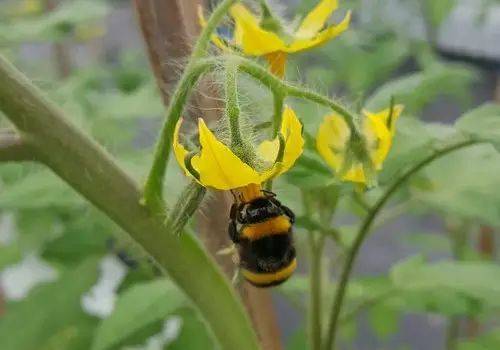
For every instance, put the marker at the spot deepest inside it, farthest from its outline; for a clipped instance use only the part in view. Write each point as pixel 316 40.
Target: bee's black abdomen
pixel 267 254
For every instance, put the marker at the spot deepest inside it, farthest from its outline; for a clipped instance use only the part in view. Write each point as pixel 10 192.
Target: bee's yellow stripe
pixel 274 226
pixel 268 278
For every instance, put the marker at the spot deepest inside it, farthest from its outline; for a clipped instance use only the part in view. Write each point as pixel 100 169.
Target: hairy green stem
pixel 365 229
pixel 315 296
pixel 278 101
pixel 316 245
pixel 92 172
pixel 232 106
pixel 458 236
pixel 153 188
pixel 189 200
pixel 349 315
pixel 282 88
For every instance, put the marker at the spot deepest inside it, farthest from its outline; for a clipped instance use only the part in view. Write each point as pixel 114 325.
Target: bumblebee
pixel 261 229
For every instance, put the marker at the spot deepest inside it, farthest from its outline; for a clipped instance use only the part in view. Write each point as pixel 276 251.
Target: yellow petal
pixel 179 150
pixel 334 134
pixel 378 139
pixel 218 166
pixel 215 38
pixel 316 19
pixel 268 150
pixel 331 32
pixel 240 13
pixel 385 114
pixel 291 132
pixel 331 140
pixel 355 174
pixel 253 40
pixel 291 129
pixel 331 143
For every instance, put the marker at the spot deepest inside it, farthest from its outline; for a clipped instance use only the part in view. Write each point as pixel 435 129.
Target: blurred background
pixel 69 278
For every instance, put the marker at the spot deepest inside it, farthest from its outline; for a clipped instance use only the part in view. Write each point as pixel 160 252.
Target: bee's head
pixel 260 209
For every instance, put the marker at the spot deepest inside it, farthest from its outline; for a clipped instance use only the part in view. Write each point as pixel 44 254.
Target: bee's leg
pixel 269 194
pixel 237 278
pixel 233 212
pixel 229 250
pixel 289 213
pixel 232 229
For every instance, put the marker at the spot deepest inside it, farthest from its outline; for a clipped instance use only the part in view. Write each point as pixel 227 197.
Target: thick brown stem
pixel 169 28
pixel 60 50
pixel 168 37
pixel 486 243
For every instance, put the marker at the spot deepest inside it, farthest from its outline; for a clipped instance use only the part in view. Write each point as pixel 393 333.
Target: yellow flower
pixel 217 166
pixel 332 142
pixel 255 40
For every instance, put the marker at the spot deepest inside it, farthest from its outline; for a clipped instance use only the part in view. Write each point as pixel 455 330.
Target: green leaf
pixel 49 310
pixel 139 307
pixel 437 11
pixel 84 233
pixel 139 103
pixel 9 254
pixel 194 334
pixel 310 172
pixel 413 141
pixel 461 184
pixel 55 25
pixel 475 279
pixel 488 341
pixel 443 301
pixel 429 242
pixel 416 90
pixel 77 336
pixel 360 60
pixel 36 227
pixel 298 340
pixel 406 266
pixel 482 122
pixel 383 320
pixel 349 331
pixel 40 189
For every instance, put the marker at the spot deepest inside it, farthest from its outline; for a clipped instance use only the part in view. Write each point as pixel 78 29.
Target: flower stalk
pixel 364 229
pixel 233 107
pixel 316 245
pixel 189 200
pixel 278 102
pixel 282 88
pixel 153 188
